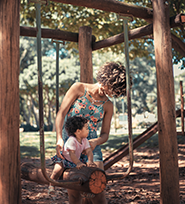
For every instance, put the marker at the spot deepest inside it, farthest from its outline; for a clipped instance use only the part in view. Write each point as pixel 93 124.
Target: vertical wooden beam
pixel 182 107
pixel 85 53
pixel 86 69
pixel 169 172
pixel 10 182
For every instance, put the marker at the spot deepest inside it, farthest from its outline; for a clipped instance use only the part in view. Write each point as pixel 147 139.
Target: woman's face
pixel 107 91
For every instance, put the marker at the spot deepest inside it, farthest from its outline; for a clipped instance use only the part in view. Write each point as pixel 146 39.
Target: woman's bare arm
pixel 75 91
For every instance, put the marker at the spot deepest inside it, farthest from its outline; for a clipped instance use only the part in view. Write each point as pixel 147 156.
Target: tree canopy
pixel 104 24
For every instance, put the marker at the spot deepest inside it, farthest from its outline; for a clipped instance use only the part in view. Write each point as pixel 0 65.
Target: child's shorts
pixel 66 163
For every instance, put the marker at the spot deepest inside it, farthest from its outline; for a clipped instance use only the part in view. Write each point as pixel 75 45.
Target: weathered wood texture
pixel 49 33
pixel 10 181
pixel 140 32
pixel 169 172
pixel 182 107
pixel 93 180
pixel 113 6
pixel 85 53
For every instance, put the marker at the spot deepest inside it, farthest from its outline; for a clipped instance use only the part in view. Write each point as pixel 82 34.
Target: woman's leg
pixel 74 197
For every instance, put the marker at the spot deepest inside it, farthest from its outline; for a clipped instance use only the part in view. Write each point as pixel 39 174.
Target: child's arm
pixel 90 157
pixel 75 160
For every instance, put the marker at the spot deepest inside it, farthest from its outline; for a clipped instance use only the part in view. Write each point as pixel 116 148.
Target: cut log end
pixel 93 179
pixel 183 18
pixel 97 182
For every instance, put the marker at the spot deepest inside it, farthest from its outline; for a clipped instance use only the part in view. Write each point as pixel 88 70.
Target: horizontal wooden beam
pixel 175 21
pixel 49 33
pixel 52 34
pixel 113 6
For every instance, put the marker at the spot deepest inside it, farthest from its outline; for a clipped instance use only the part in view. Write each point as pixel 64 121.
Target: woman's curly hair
pixel 113 74
pixel 74 123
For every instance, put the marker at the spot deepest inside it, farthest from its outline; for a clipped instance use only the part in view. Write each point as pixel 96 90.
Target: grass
pixel 30 143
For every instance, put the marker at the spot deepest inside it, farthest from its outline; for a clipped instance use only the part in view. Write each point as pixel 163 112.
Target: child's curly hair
pixel 113 75
pixel 74 123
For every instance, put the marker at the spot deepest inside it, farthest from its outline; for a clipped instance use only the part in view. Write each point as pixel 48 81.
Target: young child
pixel 77 129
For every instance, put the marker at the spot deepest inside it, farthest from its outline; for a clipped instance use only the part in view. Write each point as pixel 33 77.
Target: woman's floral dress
pixel 94 113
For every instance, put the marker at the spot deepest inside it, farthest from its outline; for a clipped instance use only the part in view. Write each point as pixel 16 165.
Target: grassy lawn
pixel 30 143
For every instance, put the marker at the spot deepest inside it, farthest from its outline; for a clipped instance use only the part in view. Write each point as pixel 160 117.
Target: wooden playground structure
pixel 10 173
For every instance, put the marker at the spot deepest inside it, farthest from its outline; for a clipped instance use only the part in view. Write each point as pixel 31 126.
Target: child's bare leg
pixel 57 171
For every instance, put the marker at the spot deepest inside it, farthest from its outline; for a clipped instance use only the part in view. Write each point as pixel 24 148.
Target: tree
pixel 28 84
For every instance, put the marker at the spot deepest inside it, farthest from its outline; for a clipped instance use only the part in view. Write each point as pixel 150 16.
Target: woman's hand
pixel 59 148
pixel 93 143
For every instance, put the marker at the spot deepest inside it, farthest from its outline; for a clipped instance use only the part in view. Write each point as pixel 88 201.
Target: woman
pixel 91 102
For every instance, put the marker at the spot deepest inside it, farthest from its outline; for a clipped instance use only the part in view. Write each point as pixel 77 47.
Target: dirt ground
pixel 141 186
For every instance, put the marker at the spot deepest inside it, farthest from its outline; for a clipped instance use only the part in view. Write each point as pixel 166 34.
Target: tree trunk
pixel 169 172
pixel 10 182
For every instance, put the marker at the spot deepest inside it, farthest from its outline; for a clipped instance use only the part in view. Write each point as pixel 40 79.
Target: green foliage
pixel 104 24
pixel 28 84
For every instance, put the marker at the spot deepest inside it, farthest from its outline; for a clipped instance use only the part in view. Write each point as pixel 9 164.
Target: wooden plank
pixel 10 181
pixel 85 53
pixel 169 172
pixel 113 6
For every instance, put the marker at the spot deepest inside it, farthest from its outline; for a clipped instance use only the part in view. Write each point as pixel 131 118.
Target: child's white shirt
pixel 73 144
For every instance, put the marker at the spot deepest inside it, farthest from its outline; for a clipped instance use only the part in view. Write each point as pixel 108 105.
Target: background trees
pixel 103 24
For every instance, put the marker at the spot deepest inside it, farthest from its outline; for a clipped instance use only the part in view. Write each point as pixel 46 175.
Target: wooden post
pixel 85 52
pixel 10 182
pixel 169 172
pixel 182 107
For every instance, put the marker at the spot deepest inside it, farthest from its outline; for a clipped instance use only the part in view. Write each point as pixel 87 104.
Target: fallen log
pixel 86 179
